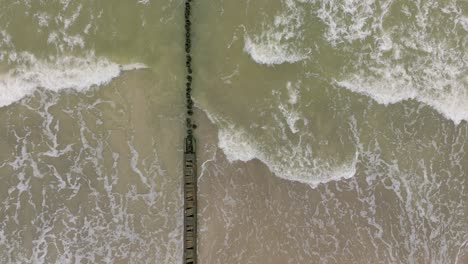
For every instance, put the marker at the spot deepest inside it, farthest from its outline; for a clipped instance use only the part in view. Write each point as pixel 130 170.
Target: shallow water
pixel 330 131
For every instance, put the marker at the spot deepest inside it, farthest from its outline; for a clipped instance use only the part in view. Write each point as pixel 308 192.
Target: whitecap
pixel 276 43
pixel 439 82
pixel 269 51
pixel 402 60
pixel 297 165
pixel 291 162
pixel 66 72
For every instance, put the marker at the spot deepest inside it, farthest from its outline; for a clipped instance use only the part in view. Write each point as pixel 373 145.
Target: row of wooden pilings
pixel 190 161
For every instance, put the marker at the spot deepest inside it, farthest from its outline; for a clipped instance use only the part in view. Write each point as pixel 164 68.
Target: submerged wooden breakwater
pixel 190 160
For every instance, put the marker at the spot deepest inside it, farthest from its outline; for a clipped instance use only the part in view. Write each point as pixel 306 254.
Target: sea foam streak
pixel 67 72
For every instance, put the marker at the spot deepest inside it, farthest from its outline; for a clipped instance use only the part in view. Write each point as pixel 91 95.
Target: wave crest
pixel 290 162
pixel 277 43
pixel 67 72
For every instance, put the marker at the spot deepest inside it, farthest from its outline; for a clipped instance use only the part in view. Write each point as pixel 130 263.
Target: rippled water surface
pixel 330 131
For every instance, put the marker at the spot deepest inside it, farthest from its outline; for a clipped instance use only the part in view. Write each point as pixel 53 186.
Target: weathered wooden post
pixel 190 201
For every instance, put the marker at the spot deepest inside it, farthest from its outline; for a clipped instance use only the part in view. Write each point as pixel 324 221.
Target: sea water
pixel 331 131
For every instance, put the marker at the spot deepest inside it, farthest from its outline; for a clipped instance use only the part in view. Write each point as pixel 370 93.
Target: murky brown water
pixel 329 131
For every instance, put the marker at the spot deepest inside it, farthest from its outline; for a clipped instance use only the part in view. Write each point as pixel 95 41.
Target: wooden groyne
pixel 190 157
pixel 190 202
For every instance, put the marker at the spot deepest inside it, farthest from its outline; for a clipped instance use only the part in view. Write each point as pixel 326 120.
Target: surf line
pixel 190 157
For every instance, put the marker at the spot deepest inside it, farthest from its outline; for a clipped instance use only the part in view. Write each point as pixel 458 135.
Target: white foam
pixel 403 61
pixel 293 92
pixel 448 96
pixel 290 109
pixel 295 164
pixel 291 116
pixel 67 72
pixel 270 51
pixel 347 20
pixel 437 77
pixel 277 43
pixel 464 22
pixel 42 19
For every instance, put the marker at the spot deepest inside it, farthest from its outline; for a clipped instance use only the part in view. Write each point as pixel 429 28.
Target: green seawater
pixel 357 109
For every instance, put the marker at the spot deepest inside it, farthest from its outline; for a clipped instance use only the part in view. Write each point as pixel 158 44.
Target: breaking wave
pixel 300 166
pixel 276 44
pixel 67 72
pixel 422 59
pixel 294 163
pixel 269 51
